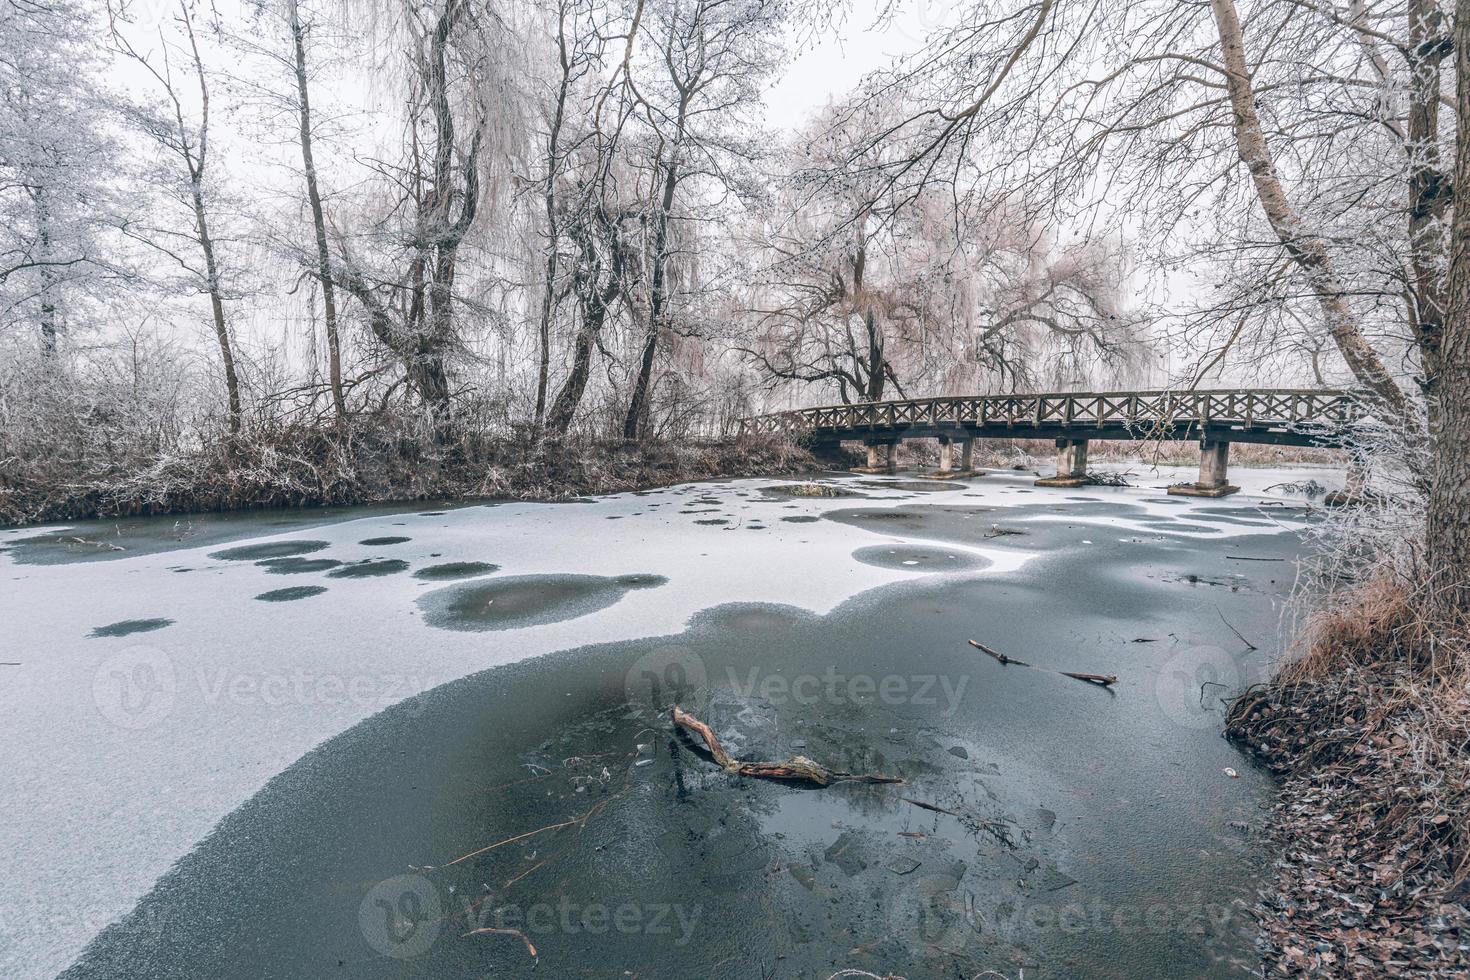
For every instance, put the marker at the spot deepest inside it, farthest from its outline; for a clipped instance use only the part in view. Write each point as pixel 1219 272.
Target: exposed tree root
pixel 797 769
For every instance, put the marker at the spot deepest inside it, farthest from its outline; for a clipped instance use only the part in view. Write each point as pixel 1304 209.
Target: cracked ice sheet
pixel 101 791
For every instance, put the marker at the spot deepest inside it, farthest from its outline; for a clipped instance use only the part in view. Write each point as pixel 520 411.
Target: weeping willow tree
pixel 453 70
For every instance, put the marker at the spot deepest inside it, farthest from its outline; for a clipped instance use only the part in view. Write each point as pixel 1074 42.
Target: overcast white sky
pixel 834 62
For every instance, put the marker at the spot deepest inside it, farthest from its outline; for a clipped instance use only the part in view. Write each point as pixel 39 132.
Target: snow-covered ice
pixel 121 752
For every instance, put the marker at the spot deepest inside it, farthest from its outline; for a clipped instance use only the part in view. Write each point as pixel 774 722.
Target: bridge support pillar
pixel 946 456
pixel 947 469
pixel 1071 465
pixel 1214 459
pixel 967 455
pixel 882 458
pixel 1355 491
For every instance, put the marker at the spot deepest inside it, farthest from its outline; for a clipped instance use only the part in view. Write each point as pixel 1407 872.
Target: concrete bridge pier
pixel 947 469
pixel 882 457
pixel 946 455
pixel 1355 491
pixel 1214 459
pixel 1071 465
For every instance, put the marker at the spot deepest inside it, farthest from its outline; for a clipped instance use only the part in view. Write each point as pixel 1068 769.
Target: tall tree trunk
pixel 635 424
pixel 1429 191
pixel 195 161
pixel 1307 250
pixel 548 298
pixel 1448 524
pixel 217 307
pixel 319 224
pixel 49 326
pixel 564 408
pixel 876 360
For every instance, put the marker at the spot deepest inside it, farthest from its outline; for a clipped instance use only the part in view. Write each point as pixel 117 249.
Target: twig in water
pixel 936 808
pixel 797 769
pixel 1101 680
pixel 1248 643
pixel 530 947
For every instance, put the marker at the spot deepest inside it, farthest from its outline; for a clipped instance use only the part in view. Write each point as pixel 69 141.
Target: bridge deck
pixel 1293 417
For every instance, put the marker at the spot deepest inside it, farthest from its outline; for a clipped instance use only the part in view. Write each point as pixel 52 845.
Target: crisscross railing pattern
pixel 1287 414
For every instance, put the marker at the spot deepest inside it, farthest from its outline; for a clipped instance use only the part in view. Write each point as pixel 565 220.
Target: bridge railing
pixel 1149 411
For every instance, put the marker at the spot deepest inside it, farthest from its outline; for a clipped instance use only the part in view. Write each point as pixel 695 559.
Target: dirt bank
pixel 1370 733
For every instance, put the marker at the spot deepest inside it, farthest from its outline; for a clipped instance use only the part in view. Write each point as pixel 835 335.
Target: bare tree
pixel 186 139
pixel 1290 134
pixel 925 292
pixel 710 60
pixel 299 31
pixel 1449 499
pixel 449 51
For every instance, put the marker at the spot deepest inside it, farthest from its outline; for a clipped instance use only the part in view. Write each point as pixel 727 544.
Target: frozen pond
pixel 254 745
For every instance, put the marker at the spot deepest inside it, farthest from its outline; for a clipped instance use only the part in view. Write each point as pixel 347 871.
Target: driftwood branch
pixel 797 769
pixel 1101 680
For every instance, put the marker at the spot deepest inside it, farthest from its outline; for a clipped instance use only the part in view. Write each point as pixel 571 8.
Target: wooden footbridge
pixel 1285 417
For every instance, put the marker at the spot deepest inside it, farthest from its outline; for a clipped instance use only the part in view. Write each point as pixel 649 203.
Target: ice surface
pixel 121 752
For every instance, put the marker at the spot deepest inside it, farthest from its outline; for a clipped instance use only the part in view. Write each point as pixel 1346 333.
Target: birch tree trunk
pixel 1307 250
pixel 1448 525
pixel 319 224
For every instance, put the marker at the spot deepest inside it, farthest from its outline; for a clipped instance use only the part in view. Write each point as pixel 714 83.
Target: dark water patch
pixel 293 593
pixel 270 549
pixel 526 600
pixel 114 538
pixel 712 521
pixel 380 542
pixel 910 558
pixel 295 565
pixel 455 569
pixel 641 580
pixel 128 627
pixel 1068 798
pixel 370 568
pixel 801 519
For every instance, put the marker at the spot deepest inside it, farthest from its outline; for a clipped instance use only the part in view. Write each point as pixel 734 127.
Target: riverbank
pixel 1370 733
pixel 316 467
